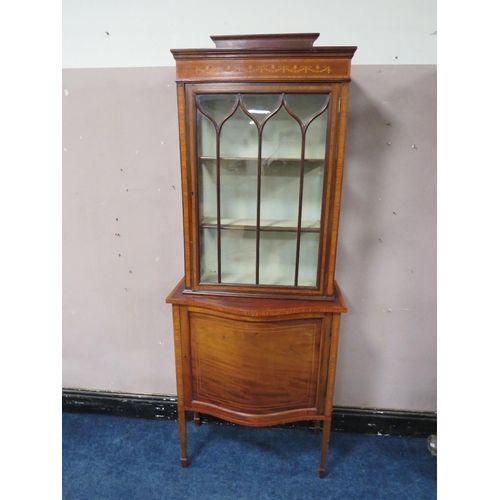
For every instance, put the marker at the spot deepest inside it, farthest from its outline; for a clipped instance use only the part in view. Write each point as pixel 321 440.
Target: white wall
pixel 142 32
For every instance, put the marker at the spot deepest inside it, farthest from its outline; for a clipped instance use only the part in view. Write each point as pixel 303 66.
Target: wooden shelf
pixel 249 279
pixel 277 225
pixel 267 162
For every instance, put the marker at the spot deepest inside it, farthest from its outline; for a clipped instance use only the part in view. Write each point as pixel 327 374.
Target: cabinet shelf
pixel 237 164
pixel 278 225
pixel 233 278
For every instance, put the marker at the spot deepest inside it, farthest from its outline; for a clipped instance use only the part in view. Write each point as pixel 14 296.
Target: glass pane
pixel 238 200
pixel 238 191
pixel 308 260
pixel 239 137
pixel 281 151
pixel 207 189
pixel 261 105
pixel 316 137
pixel 206 137
pixel 305 106
pixel 314 167
pixel 280 191
pixel 238 256
pixel 208 255
pixel 281 138
pixel 217 106
pixel 312 193
pixel 277 257
pixel 238 186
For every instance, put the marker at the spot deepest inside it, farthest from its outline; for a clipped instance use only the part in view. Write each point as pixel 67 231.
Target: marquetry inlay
pixel 261 69
pixel 258 69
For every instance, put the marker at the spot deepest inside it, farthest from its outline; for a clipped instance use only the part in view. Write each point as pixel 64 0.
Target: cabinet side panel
pixel 339 169
pixel 181 106
pixel 185 359
pixel 335 325
pixel 178 356
pixel 255 368
pixel 328 205
pixel 325 363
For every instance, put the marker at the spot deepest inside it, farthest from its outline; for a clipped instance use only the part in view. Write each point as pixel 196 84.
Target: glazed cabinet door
pixel 261 160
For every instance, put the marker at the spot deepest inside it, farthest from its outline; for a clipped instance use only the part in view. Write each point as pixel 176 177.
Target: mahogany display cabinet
pixel 262 122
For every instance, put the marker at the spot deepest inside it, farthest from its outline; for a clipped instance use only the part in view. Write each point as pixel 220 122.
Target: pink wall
pixel 121 161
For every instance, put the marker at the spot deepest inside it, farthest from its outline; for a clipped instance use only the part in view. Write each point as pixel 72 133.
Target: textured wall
pixel 387 240
pixel 122 230
pixel 122 234
pixel 139 33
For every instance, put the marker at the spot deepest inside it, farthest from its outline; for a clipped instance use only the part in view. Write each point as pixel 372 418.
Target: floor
pixel 109 457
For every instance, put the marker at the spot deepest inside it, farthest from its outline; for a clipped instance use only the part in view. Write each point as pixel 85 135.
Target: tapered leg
pixel 182 434
pixel 317 427
pixel 324 446
pixel 197 420
pixel 329 393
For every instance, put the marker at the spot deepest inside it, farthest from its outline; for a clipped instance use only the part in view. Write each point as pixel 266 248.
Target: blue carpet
pixel 107 457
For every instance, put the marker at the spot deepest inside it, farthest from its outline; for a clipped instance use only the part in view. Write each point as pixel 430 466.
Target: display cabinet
pixel 262 130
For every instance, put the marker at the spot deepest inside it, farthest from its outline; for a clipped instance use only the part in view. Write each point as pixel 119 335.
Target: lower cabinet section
pixel 254 367
pixel 256 362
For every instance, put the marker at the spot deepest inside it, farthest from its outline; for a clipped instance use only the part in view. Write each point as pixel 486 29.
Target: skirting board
pixel 344 419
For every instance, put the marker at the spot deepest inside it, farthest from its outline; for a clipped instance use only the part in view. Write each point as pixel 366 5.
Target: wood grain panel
pixel 255 368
